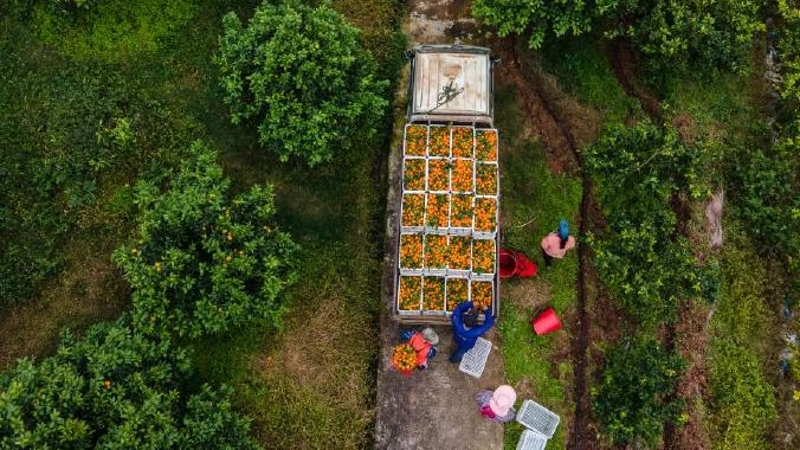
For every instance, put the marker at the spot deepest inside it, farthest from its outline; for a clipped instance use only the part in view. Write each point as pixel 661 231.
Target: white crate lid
pixel 531 440
pixel 538 418
pixel 474 361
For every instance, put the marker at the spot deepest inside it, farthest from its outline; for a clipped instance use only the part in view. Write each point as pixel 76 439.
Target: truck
pixel 449 225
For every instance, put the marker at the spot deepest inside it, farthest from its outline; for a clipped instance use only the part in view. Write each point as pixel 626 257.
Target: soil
pixel 625 63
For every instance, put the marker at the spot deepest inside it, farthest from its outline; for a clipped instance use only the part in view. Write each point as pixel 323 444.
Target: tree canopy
pixel 715 34
pixel 205 261
pixel 115 389
pixel 301 74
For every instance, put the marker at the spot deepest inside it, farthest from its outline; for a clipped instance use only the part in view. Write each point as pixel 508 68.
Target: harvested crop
pixel 481 294
pixel 486 145
pixel 414 175
pixel 461 211
pixel 462 175
pixel 410 290
pixel 433 294
pixel 459 253
pixel 485 214
pixel 456 292
pixel 486 179
pixel 462 142
pixel 411 251
pixel 440 141
pixel 404 358
pixel 483 255
pixel 438 210
pixel 435 251
pixel 413 210
pixel 416 137
pixel 438 175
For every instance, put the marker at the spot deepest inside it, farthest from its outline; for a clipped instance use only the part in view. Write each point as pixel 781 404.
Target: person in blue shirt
pixel 466 337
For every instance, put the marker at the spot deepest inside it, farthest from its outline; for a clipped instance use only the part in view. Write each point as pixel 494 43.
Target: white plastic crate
pixel 538 418
pixel 474 361
pixel 531 440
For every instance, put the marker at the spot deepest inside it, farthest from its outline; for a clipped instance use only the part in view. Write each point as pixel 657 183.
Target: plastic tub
pixel 546 322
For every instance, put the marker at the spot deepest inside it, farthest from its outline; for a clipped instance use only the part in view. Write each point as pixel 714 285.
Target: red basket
pixel 546 322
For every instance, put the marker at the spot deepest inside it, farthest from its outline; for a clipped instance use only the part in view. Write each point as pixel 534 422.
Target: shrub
pixel 114 389
pixel 634 397
pixel 301 74
pixel 710 35
pixel 646 264
pixel 204 262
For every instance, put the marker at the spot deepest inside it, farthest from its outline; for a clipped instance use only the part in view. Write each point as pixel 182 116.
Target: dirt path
pixel 624 63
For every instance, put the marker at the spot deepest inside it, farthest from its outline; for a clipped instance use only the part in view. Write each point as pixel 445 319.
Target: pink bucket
pixel 546 322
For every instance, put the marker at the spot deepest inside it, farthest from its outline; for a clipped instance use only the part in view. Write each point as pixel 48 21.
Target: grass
pixel 744 405
pixel 584 71
pixel 533 201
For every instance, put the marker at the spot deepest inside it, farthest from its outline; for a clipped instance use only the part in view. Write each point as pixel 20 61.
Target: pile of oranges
pixel 438 210
pixel 483 256
pixel 411 251
pixel 413 210
pixel 414 175
pixel 481 294
pixel 440 141
pixel 486 179
pixel 409 293
pixel 416 140
pixel 462 175
pixel 438 175
pixel 456 292
pixel 461 211
pixel 433 294
pixel 486 145
pixel 462 142
pixel 485 214
pixel 459 253
pixel 436 251
pixel 404 358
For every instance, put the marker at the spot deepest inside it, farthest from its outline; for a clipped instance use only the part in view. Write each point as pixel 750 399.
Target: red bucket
pixel 546 322
pixel 508 263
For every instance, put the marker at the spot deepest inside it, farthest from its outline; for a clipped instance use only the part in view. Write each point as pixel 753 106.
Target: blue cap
pixel 563 229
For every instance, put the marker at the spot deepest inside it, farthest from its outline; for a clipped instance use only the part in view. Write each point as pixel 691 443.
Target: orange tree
pixel 204 261
pixel 301 74
pixel 115 389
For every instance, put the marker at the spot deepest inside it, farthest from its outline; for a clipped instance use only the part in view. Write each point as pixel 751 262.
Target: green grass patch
pixel 112 30
pixel 584 71
pixel 533 200
pixel 743 407
pixel 722 110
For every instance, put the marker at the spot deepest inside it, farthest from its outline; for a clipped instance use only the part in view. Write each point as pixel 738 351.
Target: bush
pixel 634 398
pixel 205 262
pixel 114 389
pixel 707 35
pixel 301 74
pixel 646 264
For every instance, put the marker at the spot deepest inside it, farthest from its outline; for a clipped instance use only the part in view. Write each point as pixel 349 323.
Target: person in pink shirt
pixel 557 243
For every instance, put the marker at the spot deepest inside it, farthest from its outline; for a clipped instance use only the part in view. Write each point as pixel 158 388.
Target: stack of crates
pixel 541 424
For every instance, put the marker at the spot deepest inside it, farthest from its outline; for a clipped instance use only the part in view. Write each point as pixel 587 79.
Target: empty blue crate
pixel 531 440
pixel 537 418
pixel 474 361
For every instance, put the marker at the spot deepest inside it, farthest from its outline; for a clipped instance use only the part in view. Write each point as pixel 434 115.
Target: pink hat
pixel 502 400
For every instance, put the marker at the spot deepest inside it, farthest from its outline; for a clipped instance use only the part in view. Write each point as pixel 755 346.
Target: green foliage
pixel 205 262
pixel 767 187
pixel 646 264
pixel 110 30
pixel 789 47
pixel 301 74
pixel 710 35
pixel 741 354
pixel 70 133
pixel 634 398
pixel 743 400
pixel 114 389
